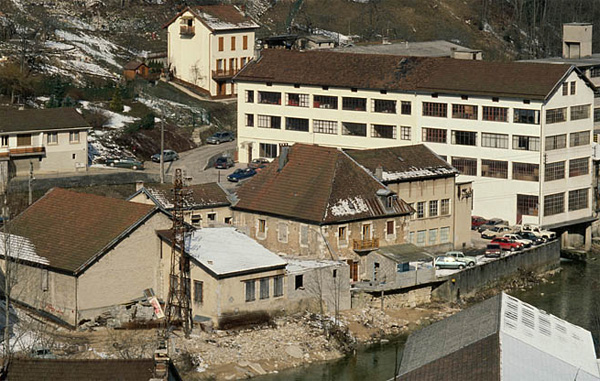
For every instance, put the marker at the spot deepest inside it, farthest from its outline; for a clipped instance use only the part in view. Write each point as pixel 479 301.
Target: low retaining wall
pixel 406 299
pixel 538 259
pixel 44 183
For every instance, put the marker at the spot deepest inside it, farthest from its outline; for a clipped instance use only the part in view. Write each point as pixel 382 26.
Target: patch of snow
pixel 126 108
pixel 19 5
pixel 416 173
pixel 300 265
pixel 21 248
pixel 218 24
pixel 58 45
pixel 43 99
pixel 342 39
pixel 78 23
pixel 227 250
pixel 88 68
pixel 96 47
pixel 349 207
pixel 117 120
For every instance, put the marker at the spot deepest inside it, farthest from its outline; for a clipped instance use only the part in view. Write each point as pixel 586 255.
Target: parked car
pixel 168 155
pixel 224 162
pixel 532 237
pixel 493 250
pixel 539 232
pixel 495 231
pixel 507 244
pixel 491 223
pixel 259 162
pixel 517 238
pixel 444 262
pixel 125 162
pixel 220 137
pixel 241 174
pixel 476 222
pixel 470 261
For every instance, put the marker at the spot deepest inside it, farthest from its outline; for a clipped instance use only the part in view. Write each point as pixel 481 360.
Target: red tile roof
pixel 70 228
pixel 77 370
pixel 319 185
pixel 406 163
pixel 389 72
pixel 198 196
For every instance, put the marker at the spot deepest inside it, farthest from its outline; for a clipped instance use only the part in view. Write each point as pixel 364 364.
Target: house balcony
pixel 224 74
pixel 26 151
pixel 361 245
pixel 186 30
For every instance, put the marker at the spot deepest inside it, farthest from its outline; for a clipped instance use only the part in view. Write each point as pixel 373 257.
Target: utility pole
pixel 162 148
pixel 29 183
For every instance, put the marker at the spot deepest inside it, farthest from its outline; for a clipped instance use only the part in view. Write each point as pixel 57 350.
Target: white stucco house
pixel 208 45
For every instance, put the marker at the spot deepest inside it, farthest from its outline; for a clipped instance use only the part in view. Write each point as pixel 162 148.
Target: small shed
pixel 135 68
pixel 400 266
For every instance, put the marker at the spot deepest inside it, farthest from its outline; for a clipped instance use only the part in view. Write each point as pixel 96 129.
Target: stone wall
pixel 83 180
pixel 406 299
pixel 467 282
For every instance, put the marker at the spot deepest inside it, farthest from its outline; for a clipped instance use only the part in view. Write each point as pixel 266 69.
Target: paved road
pixel 194 161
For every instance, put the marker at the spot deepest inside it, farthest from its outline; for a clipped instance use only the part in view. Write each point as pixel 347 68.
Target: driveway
pixel 194 161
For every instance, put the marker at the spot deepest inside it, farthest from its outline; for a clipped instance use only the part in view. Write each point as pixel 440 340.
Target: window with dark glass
pixel 354 104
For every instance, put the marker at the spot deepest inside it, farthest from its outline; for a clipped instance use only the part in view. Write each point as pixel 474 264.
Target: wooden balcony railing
pixel 224 74
pixel 365 244
pixel 27 151
pixel 187 30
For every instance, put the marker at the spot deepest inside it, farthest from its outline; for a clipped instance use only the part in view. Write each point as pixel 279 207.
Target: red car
pixel 507 243
pixel 477 221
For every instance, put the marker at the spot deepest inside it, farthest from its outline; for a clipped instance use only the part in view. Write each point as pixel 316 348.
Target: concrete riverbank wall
pixel 467 282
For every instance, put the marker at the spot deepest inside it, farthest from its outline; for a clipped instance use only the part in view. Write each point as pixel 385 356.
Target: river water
pixel 572 294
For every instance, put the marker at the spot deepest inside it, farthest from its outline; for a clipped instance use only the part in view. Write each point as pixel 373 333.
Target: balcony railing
pixel 187 30
pixel 27 151
pixel 365 244
pixel 224 74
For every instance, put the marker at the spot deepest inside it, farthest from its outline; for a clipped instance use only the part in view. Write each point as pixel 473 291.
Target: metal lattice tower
pixel 178 303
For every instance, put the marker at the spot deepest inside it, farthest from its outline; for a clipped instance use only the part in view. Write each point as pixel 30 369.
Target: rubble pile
pixel 292 341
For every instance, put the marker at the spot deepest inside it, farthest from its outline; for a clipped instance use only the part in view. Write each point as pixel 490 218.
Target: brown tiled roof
pixel 70 228
pixel 407 163
pixel 133 65
pixel 41 120
pixel 389 72
pixel 318 184
pixel 198 196
pixel 78 370
pixel 479 361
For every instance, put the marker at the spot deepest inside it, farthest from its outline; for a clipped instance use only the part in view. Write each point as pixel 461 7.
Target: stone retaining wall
pixel 407 299
pixel 469 281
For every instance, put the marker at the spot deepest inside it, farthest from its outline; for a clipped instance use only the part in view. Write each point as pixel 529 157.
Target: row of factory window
pixel 430 237
pixel 429 134
pixel 432 208
pixel 431 109
pixel 491 140
pixel 527 205
pixel 522 171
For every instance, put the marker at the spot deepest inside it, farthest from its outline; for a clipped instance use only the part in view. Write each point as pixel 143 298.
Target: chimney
pixel 283 156
pixel 379 172
pixel 139 185
pixel 577 40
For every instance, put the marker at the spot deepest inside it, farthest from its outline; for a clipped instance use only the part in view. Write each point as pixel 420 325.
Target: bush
pixel 116 103
pixel 147 122
pixel 97 119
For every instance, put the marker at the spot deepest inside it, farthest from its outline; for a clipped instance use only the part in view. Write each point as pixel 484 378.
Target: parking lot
pixel 477 251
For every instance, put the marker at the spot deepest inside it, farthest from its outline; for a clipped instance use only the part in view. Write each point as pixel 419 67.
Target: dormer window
pixel 389 201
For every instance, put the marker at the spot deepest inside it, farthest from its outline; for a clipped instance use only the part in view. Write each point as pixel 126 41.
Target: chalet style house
pixel 208 45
